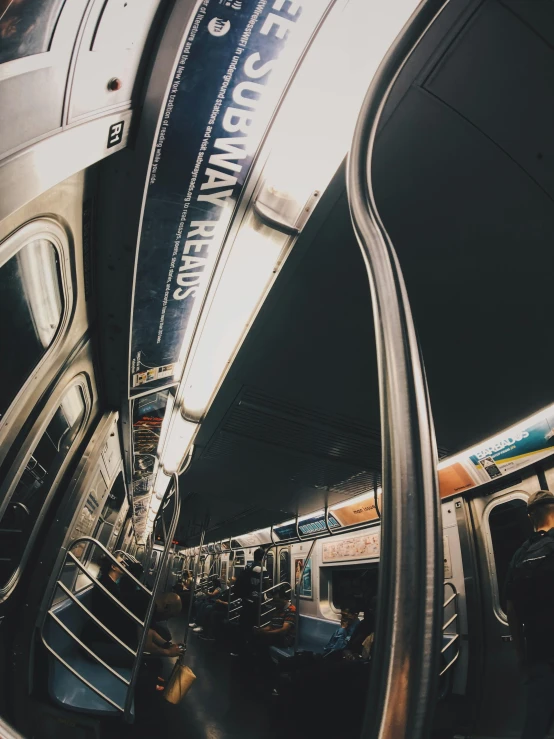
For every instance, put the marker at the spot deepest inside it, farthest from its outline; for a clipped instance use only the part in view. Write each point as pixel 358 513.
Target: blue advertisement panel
pixel 229 77
pixel 313 525
pixel 515 448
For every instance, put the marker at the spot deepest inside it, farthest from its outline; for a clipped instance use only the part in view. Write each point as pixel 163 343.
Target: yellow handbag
pixel 180 682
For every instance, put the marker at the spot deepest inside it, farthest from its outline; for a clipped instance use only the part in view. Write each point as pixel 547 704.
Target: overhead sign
pixel 454 479
pixel 358 512
pixel 148 413
pixel 514 449
pixel 313 525
pixel 230 75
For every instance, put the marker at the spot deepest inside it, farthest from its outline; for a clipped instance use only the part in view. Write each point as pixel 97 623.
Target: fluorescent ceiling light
pixel 166 420
pixel 314 129
pixel 179 439
pixel 155 503
pixel 162 481
pixel 309 139
pixel 242 282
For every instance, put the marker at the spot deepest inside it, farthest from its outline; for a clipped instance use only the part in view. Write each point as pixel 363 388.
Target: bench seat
pixel 64 688
pixel 314 633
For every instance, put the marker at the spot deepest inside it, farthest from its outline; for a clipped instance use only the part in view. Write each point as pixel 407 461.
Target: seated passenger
pixel 214 615
pixel 157 644
pixel 361 643
pixel 282 627
pixel 106 610
pixel 183 589
pixel 120 624
pixel 202 600
pixel 348 624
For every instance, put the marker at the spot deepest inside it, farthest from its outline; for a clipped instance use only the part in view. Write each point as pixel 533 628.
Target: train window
pixel 108 517
pixel 284 565
pixel 509 526
pixel 30 496
pixel 31 306
pixel 239 559
pixel 27 28
pixel 353 585
pixel 270 563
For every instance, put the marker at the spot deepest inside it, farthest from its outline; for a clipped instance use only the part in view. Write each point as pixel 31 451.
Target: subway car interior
pixel 267 437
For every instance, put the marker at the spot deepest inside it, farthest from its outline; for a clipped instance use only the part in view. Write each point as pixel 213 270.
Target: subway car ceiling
pixel 463 178
pixel 464 182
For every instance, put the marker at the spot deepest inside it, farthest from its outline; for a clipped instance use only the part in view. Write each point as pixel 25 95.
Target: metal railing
pixel 267 601
pixel 298 589
pixel 142 623
pixel 234 607
pixel 409 613
pixel 450 620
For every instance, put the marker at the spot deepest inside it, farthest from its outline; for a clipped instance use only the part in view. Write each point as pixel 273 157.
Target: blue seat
pixel 314 633
pixel 64 688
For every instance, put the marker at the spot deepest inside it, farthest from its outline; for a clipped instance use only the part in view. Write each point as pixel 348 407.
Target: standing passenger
pixel 530 610
pixel 250 582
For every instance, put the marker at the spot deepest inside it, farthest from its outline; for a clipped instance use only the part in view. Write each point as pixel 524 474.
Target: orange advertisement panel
pixel 454 479
pixel 359 512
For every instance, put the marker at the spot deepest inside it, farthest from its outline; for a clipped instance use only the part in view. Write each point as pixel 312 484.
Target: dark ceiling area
pixel 464 178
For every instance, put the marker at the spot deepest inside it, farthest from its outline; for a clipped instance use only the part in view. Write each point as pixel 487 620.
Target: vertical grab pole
pixel 155 588
pixel 298 586
pixel 401 703
pixel 193 587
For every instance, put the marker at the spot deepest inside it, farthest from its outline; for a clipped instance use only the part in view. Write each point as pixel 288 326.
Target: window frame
pixel 9 485
pixel 52 231
pixel 489 549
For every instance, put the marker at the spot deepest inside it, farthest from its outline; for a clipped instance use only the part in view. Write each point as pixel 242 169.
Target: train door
pixel 501 525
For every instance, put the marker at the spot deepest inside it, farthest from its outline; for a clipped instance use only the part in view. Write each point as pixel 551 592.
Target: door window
pixel 27 27
pixel 509 527
pixel 28 501
pixel 31 306
pixel 284 565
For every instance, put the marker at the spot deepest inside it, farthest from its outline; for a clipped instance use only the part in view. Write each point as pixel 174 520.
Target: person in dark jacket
pixel 530 609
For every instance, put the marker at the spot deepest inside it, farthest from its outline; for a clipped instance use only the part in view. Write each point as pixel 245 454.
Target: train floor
pixel 226 700
pixel 231 699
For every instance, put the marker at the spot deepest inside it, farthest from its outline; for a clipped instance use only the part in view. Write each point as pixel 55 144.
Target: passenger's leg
pixel 539 688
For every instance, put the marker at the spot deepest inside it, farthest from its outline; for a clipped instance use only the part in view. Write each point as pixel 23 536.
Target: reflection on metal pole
pixel 406 658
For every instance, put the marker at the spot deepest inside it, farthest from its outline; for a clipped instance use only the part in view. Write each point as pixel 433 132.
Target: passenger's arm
pixel 154 645
pixel 271 634
pixel 516 630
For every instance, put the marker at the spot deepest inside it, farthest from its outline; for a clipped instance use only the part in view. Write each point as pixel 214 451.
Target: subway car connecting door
pixel 501 526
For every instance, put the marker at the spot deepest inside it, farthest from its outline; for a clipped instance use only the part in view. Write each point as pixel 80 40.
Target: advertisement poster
pixel 313 525
pixel 231 72
pixel 366 546
pixel 454 479
pixel 306 585
pixel 359 512
pixel 148 414
pixel 514 449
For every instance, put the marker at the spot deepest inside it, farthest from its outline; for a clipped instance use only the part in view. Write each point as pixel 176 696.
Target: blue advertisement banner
pixel 219 105
pixel 515 449
pixel 313 525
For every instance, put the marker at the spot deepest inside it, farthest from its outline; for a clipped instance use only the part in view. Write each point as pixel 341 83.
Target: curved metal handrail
pixel 268 601
pixel 406 655
pixel 152 602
